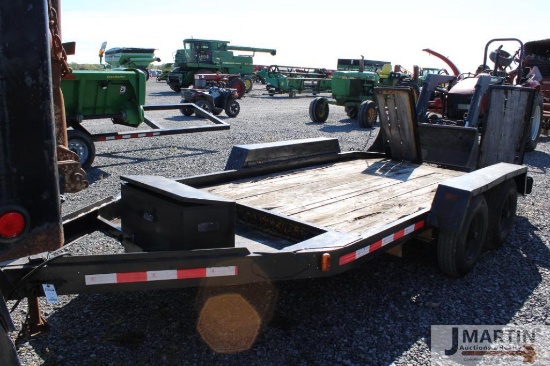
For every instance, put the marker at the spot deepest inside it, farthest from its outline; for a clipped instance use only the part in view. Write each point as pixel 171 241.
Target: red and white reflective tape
pixel 129 136
pixel 350 257
pixel 166 275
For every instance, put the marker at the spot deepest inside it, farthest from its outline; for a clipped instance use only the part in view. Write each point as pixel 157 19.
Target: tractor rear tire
pixel 248 83
pixel 535 124
pixel 187 111
pixel 82 144
pixel 366 115
pixel 237 83
pixel 458 253
pixel 503 203
pixel 232 108
pixel 318 109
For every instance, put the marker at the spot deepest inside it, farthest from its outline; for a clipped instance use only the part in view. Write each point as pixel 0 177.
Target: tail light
pixel 12 224
pixel 234 94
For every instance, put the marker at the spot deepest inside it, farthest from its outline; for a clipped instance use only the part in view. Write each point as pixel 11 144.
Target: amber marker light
pixel 12 224
pixel 325 262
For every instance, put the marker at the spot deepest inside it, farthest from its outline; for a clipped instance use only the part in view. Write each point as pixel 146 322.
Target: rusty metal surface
pixel 73 177
pixel 39 239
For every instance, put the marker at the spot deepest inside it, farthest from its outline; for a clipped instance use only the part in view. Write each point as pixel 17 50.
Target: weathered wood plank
pixel 398 123
pixel 383 213
pixel 318 178
pixel 354 189
pixel 370 202
pixel 347 196
pixel 504 126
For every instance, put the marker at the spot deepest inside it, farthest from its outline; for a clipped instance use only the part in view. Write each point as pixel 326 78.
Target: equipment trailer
pixel 283 211
pixel 280 211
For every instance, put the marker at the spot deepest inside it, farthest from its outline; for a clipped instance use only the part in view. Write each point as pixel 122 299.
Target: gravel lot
pixel 378 314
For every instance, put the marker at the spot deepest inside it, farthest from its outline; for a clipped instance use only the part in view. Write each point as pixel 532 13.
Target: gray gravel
pixel 378 314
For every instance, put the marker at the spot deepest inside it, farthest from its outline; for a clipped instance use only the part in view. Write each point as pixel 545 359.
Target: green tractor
pixel 200 56
pixel 121 58
pixel 353 88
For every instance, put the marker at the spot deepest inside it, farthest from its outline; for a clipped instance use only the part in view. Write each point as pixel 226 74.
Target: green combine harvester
pixel 120 58
pixel 202 56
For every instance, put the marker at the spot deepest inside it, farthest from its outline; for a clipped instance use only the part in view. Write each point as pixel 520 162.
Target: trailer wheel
pixel 187 111
pixel 535 124
pixel 351 111
pixel 232 108
pixel 248 83
pixel 82 144
pixel 366 115
pixel 237 83
pixel 503 203
pixel 318 109
pixel 457 253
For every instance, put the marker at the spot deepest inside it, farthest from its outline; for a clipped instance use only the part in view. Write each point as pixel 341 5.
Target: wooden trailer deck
pixel 352 196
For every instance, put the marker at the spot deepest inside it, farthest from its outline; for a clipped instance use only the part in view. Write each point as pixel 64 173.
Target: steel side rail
pixel 157 129
pixel 208 267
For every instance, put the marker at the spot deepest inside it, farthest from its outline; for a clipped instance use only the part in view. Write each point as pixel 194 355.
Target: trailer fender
pixel 453 196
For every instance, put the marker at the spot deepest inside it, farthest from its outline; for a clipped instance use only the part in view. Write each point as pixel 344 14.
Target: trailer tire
pixel 503 202
pixel 366 115
pixel 237 83
pixel 318 109
pixel 535 124
pixel 457 253
pixel 82 144
pixel 187 111
pixel 248 83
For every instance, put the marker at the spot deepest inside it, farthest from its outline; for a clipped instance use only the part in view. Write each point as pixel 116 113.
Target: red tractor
pixel 464 97
pixel 537 56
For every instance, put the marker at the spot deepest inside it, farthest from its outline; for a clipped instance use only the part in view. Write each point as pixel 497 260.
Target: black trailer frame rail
pixel 156 128
pixel 229 266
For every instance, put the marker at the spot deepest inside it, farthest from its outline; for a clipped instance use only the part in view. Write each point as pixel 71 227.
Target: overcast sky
pixel 309 33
